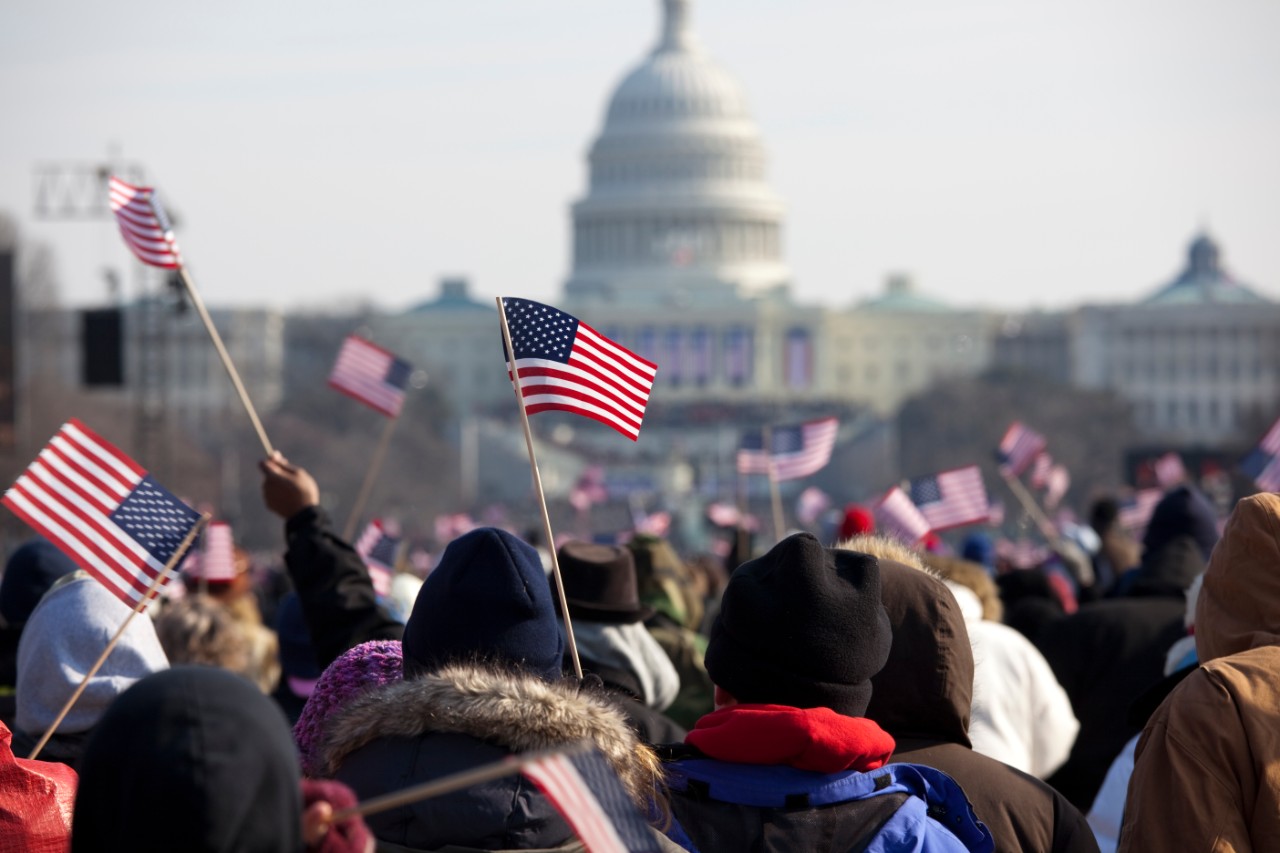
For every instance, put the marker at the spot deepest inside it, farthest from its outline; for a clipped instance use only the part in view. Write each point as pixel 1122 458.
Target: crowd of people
pixel 861 693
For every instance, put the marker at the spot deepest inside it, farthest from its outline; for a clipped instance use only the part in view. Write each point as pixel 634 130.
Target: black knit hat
pixel 801 626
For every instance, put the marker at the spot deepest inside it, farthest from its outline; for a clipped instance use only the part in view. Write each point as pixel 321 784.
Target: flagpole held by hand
pixel 537 486
pixel 156 583
pixel 775 496
pixel 226 358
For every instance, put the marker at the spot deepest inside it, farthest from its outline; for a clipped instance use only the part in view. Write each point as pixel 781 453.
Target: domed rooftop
pixel 677 201
pixel 1203 280
pixel 677 80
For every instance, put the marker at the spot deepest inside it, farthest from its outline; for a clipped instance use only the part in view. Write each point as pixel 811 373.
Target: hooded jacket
pixel 1207 772
pixel 64 636
pixel 1021 715
pixel 922 698
pixel 460 717
pixel 193 759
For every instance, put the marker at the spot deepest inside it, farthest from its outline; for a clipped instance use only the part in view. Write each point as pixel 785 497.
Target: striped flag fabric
pixel 1018 448
pixel 897 515
pixel 102 510
pixel 565 365
pixel 1169 470
pixel 215 560
pixel 952 498
pixel 1040 469
pixel 1262 465
pixel 371 374
pixel 378 547
pixel 1135 510
pixel 143 224
pixel 795 451
pixel 590 797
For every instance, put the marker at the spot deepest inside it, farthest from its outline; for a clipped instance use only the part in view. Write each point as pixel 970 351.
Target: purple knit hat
pixel 357 670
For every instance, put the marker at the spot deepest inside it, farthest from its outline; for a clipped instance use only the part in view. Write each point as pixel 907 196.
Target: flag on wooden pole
pixel 378 547
pixel 371 374
pixel 102 510
pixel 216 558
pixel 589 795
pixel 794 451
pixel 1018 448
pixel 143 224
pixel 565 365
pixel 1262 465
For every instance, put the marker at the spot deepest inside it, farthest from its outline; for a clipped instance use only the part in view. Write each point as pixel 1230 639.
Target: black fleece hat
pixel 801 626
pixel 31 570
pixel 487 599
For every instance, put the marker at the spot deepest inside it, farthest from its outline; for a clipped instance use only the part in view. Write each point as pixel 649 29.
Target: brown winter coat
pixel 1207 776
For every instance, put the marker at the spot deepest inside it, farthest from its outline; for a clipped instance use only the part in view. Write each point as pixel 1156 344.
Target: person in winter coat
pixel 1020 713
pixel 68 630
pixel 338 601
pixel 788 761
pixel 198 759
pixel 613 643
pixel 482 655
pixel 923 695
pixel 1207 769
pixel 29 572
pixel 1112 651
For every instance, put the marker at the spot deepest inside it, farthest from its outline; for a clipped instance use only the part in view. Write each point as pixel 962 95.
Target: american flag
pixel 1262 465
pixel 1018 448
pixel 797 450
pixel 1056 485
pixel 143 223
pixel 1023 554
pixel 216 558
pixel 588 794
pixel 565 365
pixel 371 375
pixel 1169 470
pixel 1040 470
pixel 1135 510
pixel 896 514
pixel 102 510
pixel 379 547
pixel 952 498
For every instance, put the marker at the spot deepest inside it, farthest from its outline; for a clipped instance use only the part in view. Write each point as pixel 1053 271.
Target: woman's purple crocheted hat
pixel 357 670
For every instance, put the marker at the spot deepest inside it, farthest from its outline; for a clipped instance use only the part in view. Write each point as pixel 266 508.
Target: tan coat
pixel 1207 776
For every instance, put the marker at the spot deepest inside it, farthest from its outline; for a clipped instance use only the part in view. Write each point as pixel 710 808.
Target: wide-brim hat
pixel 600 584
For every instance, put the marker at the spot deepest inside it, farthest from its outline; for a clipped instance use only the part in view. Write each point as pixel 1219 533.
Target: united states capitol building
pixel 678 253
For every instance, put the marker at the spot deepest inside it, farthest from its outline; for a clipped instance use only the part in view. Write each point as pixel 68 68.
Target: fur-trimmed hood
pixel 511 710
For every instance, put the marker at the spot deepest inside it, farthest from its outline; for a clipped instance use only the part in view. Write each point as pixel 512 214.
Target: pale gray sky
pixel 1004 152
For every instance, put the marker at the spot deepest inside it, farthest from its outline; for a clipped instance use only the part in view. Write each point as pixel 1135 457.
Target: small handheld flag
pixel 371 374
pixel 1262 465
pixel 952 498
pixel 216 559
pixel 565 365
pixel 378 547
pixel 794 451
pixel 588 794
pixel 143 224
pixel 102 510
pixel 896 514
pixel 1018 448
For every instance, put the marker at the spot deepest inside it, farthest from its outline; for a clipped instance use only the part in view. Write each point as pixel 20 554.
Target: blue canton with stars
pixel 786 439
pixel 398 373
pixel 384 550
pixel 154 518
pixel 540 331
pixel 925 490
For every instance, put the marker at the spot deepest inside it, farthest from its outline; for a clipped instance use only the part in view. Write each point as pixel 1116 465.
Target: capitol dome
pixel 677 202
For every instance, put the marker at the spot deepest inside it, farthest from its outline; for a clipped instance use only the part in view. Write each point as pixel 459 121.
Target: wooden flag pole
pixel 142 603
pixel 774 495
pixel 375 466
pixel 537 487
pixel 226 359
pixel 1047 528
pixel 508 766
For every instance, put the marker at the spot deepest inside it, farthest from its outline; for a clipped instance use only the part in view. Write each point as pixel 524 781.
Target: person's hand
pixel 287 489
pixel 322 799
